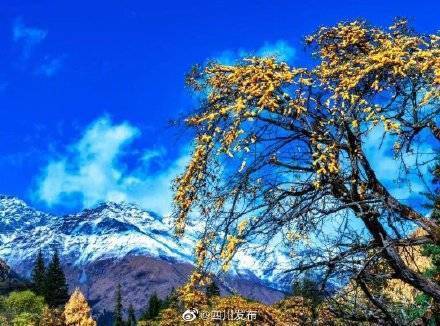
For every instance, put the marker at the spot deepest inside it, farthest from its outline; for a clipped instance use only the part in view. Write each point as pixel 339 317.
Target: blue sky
pixel 87 88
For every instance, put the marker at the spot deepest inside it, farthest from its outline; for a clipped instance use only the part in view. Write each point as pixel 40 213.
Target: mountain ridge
pixel 111 238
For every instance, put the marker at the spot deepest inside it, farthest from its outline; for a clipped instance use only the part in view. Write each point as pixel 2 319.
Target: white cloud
pixel 379 150
pixel 92 170
pixel 27 36
pixel 150 154
pixel 280 49
pixel 50 67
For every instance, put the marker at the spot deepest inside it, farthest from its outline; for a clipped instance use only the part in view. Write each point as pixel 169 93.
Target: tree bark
pixel 389 249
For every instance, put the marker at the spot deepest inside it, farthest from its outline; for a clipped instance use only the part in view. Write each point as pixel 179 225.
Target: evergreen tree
pixel 154 307
pixel 77 311
pixel 170 300
pixel 131 316
pixel 310 290
pixel 56 286
pixel 212 290
pixel 117 319
pixel 39 275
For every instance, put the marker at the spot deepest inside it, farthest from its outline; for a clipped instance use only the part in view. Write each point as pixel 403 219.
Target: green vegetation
pixel 44 303
pixel 424 305
pixel 131 320
pixel 212 290
pixel 21 308
pixel 117 315
pixel 39 275
pixel 56 293
pixel 154 307
pixel 50 282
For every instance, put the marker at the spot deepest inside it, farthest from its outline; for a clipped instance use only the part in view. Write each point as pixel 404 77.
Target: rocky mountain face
pixel 9 280
pixel 118 243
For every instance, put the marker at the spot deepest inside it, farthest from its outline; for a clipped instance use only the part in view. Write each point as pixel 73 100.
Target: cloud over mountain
pixel 92 170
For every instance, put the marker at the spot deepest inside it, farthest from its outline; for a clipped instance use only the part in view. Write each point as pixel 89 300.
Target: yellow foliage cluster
pixel 77 311
pixel 294 311
pixel 253 83
pixel 52 317
pixel 229 250
pixel 353 54
pixel 326 159
pixel 232 243
pixel 186 189
pixel 354 58
pixel 191 293
pixel 398 291
pixel 241 92
pixel 394 291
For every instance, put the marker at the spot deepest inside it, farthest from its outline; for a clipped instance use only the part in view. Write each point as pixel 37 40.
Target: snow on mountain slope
pixel 16 215
pixel 108 231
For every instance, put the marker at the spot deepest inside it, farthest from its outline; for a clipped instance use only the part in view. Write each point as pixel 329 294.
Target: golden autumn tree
pixel 291 311
pixel 383 297
pixel 77 311
pixel 281 153
pixel 52 317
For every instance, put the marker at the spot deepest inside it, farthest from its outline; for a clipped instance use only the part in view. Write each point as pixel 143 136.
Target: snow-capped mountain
pixel 107 231
pixel 16 216
pixel 108 238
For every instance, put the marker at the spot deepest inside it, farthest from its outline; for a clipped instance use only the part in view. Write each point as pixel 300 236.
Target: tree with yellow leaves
pixel 77 311
pixel 280 152
pixel 234 310
pixel 52 317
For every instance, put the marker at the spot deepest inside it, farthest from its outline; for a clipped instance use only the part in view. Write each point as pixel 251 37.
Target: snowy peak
pixel 118 219
pixel 117 210
pixel 110 243
pixel 107 218
pixel 108 231
pixel 16 215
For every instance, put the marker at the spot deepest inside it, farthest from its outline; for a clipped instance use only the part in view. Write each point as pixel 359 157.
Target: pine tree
pixel 154 307
pixel 170 300
pixel 212 290
pixel 77 311
pixel 39 275
pixel 117 319
pixel 131 316
pixel 309 289
pixel 56 286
